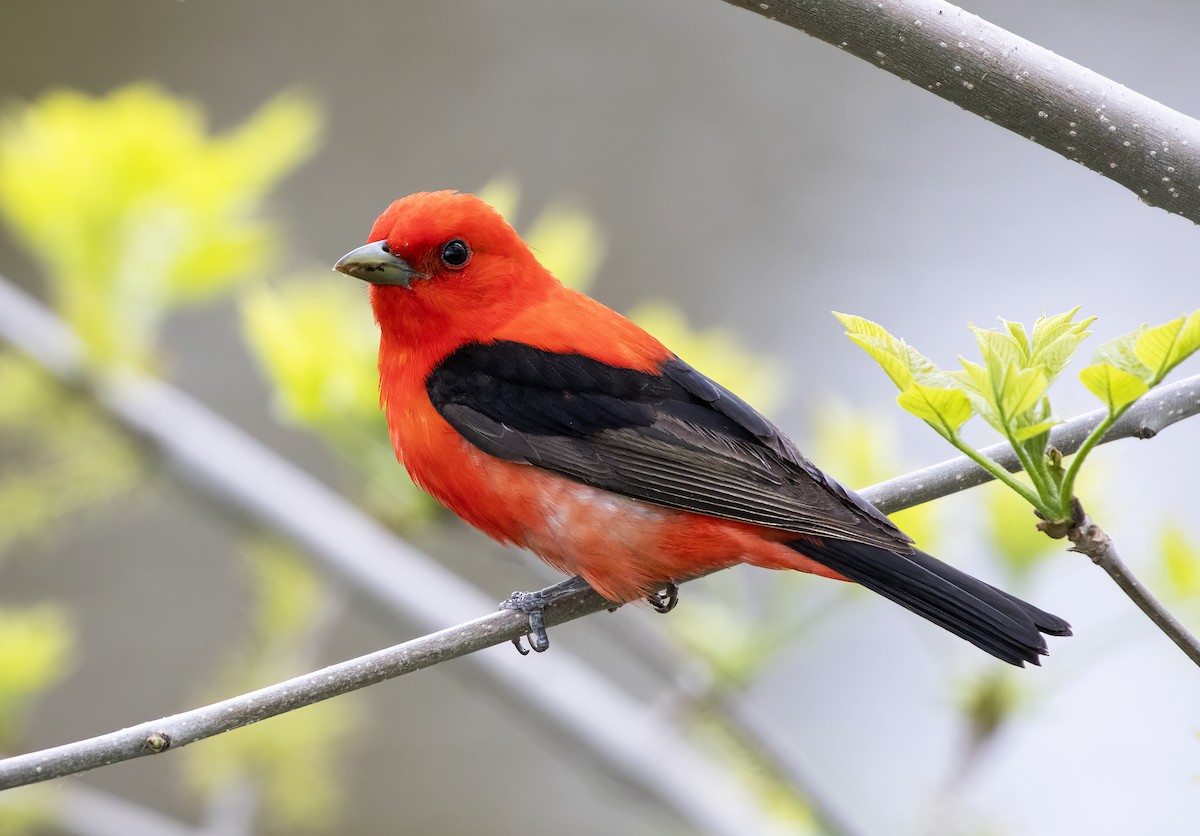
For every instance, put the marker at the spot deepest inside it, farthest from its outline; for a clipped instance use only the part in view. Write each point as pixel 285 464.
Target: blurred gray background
pixel 758 179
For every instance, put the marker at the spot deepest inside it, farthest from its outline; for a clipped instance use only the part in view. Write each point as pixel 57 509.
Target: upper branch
pixel 1148 148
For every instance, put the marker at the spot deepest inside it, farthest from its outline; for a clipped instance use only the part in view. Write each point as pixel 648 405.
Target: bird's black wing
pixel 676 439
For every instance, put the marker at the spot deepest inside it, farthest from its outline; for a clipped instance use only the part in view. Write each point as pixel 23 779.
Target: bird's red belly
pixel 625 548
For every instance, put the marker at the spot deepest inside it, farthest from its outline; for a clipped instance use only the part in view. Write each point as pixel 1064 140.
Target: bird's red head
pixel 445 269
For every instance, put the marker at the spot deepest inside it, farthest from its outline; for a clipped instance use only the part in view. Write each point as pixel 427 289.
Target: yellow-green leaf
pixel 1055 340
pixel 1026 433
pixel 1115 387
pixel 883 348
pixel 1016 333
pixel 1164 347
pixel 1119 352
pixel 1002 346
pixel 1021 390
pixel 947 409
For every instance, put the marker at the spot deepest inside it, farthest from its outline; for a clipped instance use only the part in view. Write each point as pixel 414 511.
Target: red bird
pixel 549 421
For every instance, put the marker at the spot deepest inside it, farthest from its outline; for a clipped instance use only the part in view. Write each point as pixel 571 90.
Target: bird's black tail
pixel 1004 626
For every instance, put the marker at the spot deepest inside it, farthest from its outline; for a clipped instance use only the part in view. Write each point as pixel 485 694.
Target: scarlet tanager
pixel 547 420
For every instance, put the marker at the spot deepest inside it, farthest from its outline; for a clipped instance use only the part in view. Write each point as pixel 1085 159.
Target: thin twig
pixel 1148 148
pixel 1088 538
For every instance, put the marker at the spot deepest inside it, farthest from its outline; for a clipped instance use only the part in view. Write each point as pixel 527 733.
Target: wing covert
pixel 677 439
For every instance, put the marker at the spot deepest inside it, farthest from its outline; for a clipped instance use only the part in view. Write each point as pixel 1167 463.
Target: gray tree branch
pixel 623 736
pixel 1089 539
pixel 1148 148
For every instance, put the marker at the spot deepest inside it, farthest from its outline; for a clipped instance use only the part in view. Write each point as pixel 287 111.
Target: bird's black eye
pixel 456 253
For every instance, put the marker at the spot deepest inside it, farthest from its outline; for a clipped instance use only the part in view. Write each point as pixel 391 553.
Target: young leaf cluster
pixel 1008 389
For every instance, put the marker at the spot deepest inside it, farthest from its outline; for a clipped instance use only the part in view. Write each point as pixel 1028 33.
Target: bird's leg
pixel 665 599
pixel 533 604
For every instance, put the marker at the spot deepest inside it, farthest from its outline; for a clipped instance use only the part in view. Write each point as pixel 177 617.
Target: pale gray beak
pixel 375 263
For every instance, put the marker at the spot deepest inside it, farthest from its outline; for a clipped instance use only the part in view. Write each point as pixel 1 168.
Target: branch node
pixel 157 742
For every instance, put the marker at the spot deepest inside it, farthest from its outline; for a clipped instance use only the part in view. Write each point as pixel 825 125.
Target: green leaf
pixel 1055 341
pixel 990 701
pixel 883 348
pixel 1020 390
pixel 1027 432
pixel 1113 386
pixel 1016 333
pixel 1164 347
pixel 903 363
pixel 975 382
pixel 946 409
pixel 1001 346
pixel 61 456
pixel 1002 392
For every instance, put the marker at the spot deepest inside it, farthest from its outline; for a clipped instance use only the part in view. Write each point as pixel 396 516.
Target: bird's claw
pixel 533 604
pixel 665 599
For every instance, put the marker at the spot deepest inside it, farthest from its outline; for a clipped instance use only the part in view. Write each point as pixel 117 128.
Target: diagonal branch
pixel 1133 140
pixel 623 736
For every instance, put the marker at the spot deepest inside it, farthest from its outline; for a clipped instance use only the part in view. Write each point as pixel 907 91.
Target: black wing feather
pixel 676 439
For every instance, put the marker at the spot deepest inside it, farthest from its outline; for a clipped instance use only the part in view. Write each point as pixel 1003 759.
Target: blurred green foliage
pixel 1011 534
pixel 31 810
pixel 292 760
pixel 131 208
pixel 316 342
pixel 774 790
pixel 36 648
pixel 1179 556
pixel 564 238
pixel 60 455
pixel 288 758
pixel 718 353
